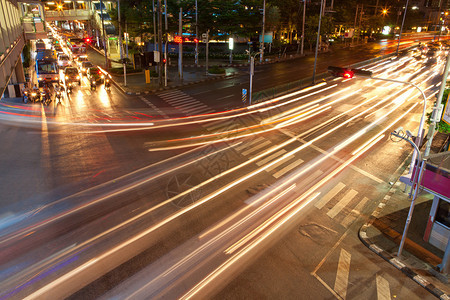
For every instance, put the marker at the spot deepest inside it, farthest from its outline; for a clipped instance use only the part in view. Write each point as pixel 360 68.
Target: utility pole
pixel 354 25
pixel 196 33
pixel 154 28
pixel 317 42
pixel 180 46
pixel 207 51
pixel 261 57
pixel 121 46
pixel 437 110
pixel 160 63
pixel 401 28
pixel 127 37
pixel 104 35
pixel 303 26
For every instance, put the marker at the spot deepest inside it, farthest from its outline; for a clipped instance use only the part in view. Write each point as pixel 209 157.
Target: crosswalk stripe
pixel 191 105
pixel 248 144
pixel 270 157
pixel 179 101
pixel 355 213
pixel 276 165
pixel 216 125
pixel 195 110
pixel 349 195
pixel 328 196
pixel 341 283
pixel 288 168
pixel 383 291
pixel 88 92
pixel 169 92
pixel 255 148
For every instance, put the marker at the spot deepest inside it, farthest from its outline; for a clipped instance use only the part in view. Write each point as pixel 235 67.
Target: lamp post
pixel 417 180
pixel 401 28
pixel 261 50
pixel 252 71
pixel 343 72
pixel 317 42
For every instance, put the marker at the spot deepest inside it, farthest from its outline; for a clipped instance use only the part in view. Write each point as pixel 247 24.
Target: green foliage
pixel 27 55
pixel 216 70
pixel 441 126
pixel 119 70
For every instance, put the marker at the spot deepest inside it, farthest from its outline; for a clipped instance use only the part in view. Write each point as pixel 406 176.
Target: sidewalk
pixel 383 232
pixel 191 74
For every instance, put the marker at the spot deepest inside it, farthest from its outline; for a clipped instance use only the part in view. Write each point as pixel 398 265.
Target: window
pixel 443 213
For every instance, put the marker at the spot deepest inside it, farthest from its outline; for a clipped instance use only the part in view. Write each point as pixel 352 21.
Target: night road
pixel 185 194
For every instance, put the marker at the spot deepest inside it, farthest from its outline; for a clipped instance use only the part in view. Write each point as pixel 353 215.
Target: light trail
pixel 224 266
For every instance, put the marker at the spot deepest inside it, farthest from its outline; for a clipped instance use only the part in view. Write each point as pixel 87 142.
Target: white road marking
pixel 288 168
pixel 271 157
pixel 154 107
pixel 348 196
pixel 328 196
pixel 248 144
pixel 274 166
pixel 355 213
pixel 255 148
pixel 341 283
pixel 383 291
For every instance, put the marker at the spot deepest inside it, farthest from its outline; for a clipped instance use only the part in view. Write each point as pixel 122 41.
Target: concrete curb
pixel 389 257
pixel 212 78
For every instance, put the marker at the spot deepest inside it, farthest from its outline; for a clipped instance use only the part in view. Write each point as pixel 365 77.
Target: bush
pixel 441 126
pixel 216 70
pixel 119 70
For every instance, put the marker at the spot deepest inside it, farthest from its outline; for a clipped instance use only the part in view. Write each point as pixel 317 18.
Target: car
pixel 94 73
pixel 81 59
pixel 85 65
pixel 58 49
pixel 71 74
pixel 63 60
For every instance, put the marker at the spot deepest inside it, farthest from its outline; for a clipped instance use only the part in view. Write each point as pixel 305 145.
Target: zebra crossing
pixel 341 283
pixel 342 204
pixel 184 103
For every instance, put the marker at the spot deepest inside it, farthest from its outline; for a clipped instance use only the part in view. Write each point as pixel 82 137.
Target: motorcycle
pixel 58 96
pixel 93 84
pixel 45 98
pixel 26 94
pixel 69 88
pixel 34 96
pixel 107 84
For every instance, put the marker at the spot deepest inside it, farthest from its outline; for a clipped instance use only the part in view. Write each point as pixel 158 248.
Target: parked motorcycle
pixel 93 84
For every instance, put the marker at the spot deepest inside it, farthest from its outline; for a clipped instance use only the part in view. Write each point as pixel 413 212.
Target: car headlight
pixel 67 77
pixel 102 76
pixel 78 76
pixel 33 94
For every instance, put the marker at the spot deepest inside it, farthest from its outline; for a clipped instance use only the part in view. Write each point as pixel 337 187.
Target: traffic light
pixel 340 72
pixel 348 73
pixel 196 41
pixel 164 60
pixel 87 40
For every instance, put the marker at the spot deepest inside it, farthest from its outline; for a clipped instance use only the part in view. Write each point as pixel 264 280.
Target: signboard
pixel 268 37
pixel 231 43
pixel 446 112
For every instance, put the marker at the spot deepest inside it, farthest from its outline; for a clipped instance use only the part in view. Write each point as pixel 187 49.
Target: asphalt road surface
pixel 106 193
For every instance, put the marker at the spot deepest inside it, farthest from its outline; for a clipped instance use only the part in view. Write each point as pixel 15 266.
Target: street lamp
pixel 341 72
pixel 417 180
pixel 252 71
pixel 401 28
